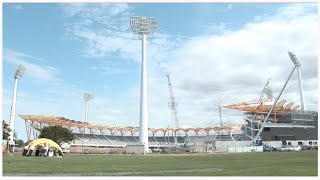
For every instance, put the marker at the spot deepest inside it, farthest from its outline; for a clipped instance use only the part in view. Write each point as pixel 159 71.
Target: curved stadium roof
pixel 253 107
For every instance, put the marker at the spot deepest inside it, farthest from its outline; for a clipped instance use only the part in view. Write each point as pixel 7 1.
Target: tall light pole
pixel 87 97
pixel 297 64
pixel 18 75
pixel 143 26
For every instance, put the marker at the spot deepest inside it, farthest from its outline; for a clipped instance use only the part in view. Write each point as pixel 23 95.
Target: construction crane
pixel 266 91
pixel 221 125
pixel 172 103
pixel 220 114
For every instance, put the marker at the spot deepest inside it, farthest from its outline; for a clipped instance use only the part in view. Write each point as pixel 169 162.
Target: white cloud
pixel 295 10
pixel 49 96
pixel 228 8
pixel 111 30
pixel 221 66
pixel 33 68
pixel 18 7
pixel 95 11
pixel 230 66
pixel 110 68
pixel 233 66
pixel 105 30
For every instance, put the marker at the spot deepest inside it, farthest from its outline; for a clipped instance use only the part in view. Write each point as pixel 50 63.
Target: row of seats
pixel 95 139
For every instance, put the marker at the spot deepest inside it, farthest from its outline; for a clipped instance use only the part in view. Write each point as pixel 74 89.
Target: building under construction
pixel 286 122
pixel 285 125
pixel 266 121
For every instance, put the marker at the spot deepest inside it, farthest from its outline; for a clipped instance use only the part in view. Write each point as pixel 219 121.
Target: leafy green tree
pixel 58 134
pixel 19 143
pixel 5 130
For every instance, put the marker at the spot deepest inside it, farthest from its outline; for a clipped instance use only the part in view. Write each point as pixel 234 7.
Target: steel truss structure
pixel 35 122
pixel 283 115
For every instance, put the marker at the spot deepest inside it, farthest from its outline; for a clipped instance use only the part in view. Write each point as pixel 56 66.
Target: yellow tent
pixel 47 143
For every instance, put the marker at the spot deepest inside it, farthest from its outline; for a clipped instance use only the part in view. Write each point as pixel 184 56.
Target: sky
pixel 218 53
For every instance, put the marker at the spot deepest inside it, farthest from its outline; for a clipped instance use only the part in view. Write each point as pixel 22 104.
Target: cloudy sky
pixel 217 53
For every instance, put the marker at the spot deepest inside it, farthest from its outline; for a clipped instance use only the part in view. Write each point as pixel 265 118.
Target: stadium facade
pixel 286 125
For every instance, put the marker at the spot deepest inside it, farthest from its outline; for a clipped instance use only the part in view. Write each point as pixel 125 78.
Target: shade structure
pixel 43 142
pixel 280 107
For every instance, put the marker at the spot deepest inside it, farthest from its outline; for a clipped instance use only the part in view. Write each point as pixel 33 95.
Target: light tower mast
pixel 18 75
pixel 143 26
pixel 87 97
pixel 293 58
pixel 297 64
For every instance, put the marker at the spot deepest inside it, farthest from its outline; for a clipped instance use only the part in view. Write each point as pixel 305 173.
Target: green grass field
pixel 304 163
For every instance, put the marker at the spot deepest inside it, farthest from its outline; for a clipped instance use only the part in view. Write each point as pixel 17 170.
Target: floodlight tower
pixel 18 75
pixel 143 26
pixel 297 64
pixel 220 116
pixel 87 97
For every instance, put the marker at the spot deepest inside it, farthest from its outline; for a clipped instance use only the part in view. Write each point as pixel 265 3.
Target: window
pixel 300 143
pixel 284 142
pixel 289 143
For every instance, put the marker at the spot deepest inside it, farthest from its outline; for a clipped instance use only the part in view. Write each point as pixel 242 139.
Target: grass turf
pixel 304 163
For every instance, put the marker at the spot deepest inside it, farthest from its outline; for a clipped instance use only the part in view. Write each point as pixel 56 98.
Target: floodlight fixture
pixel 87 97
pixel 19 72
pixel 294 59
pixel 143 25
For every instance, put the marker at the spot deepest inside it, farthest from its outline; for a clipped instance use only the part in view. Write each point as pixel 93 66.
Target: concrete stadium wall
pixel 95 150
pixel 223 145
pixel 135 149
pixel 245 149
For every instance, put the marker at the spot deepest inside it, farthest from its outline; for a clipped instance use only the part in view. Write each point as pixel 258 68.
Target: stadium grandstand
pixel 115 136
pixel 284 116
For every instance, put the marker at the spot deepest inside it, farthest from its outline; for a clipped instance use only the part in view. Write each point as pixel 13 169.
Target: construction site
pixel 267 121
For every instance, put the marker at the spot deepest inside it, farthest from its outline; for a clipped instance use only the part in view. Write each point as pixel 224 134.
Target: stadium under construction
pixel 267 121
pixel 286 125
